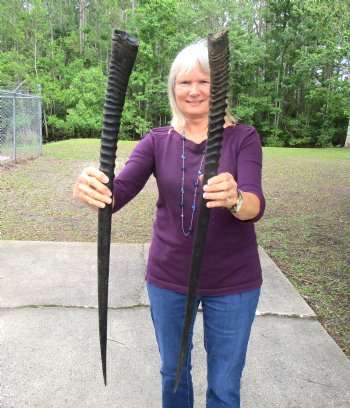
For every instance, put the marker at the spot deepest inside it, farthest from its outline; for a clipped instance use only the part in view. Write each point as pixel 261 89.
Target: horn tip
pixel 218 35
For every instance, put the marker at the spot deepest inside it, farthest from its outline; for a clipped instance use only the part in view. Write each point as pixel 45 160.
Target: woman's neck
pixel 196 131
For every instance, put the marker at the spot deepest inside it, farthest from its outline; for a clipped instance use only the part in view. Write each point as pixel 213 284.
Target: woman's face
pixel 192 93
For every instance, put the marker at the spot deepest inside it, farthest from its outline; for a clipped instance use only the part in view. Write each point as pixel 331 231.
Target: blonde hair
pixel 186 60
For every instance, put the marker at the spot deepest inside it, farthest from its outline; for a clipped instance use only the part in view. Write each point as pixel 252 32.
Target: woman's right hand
pixel 90 188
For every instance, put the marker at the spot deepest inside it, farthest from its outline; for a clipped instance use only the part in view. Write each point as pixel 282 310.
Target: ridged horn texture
pixel 218 49
pixel 123 54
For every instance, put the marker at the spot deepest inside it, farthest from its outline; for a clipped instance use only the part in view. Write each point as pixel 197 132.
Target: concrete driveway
pixel 50 347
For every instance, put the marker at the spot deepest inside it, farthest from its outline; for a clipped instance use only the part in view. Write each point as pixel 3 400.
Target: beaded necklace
pixel 182 190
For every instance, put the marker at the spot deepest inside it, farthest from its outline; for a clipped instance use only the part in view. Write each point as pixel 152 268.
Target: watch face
pixel 239 202
pixel 239 205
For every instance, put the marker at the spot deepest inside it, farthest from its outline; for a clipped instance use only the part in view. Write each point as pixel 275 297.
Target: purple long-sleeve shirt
pixel 230 262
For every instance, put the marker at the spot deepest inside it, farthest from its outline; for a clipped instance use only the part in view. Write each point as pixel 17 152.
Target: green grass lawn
pixel 305 230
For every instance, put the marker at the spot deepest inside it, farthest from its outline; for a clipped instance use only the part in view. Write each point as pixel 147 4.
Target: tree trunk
pixel 45 126
pixel 83 4
pixel 36 57
pixel 347 141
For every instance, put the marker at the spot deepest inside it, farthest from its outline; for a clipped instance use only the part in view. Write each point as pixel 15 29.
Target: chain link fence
pixel 20 125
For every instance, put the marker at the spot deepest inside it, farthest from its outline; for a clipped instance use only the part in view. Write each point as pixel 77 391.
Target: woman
pixel 230 279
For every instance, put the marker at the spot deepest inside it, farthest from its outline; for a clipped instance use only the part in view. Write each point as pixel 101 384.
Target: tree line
pixel 290 62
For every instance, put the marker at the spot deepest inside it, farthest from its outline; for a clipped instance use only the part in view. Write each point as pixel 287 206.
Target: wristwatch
pixel 238 204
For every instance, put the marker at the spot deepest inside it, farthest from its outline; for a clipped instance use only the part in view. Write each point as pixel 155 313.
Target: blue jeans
pixel 227 324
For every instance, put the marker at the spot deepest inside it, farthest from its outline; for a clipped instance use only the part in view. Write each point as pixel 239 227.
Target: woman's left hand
pixel 221 191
